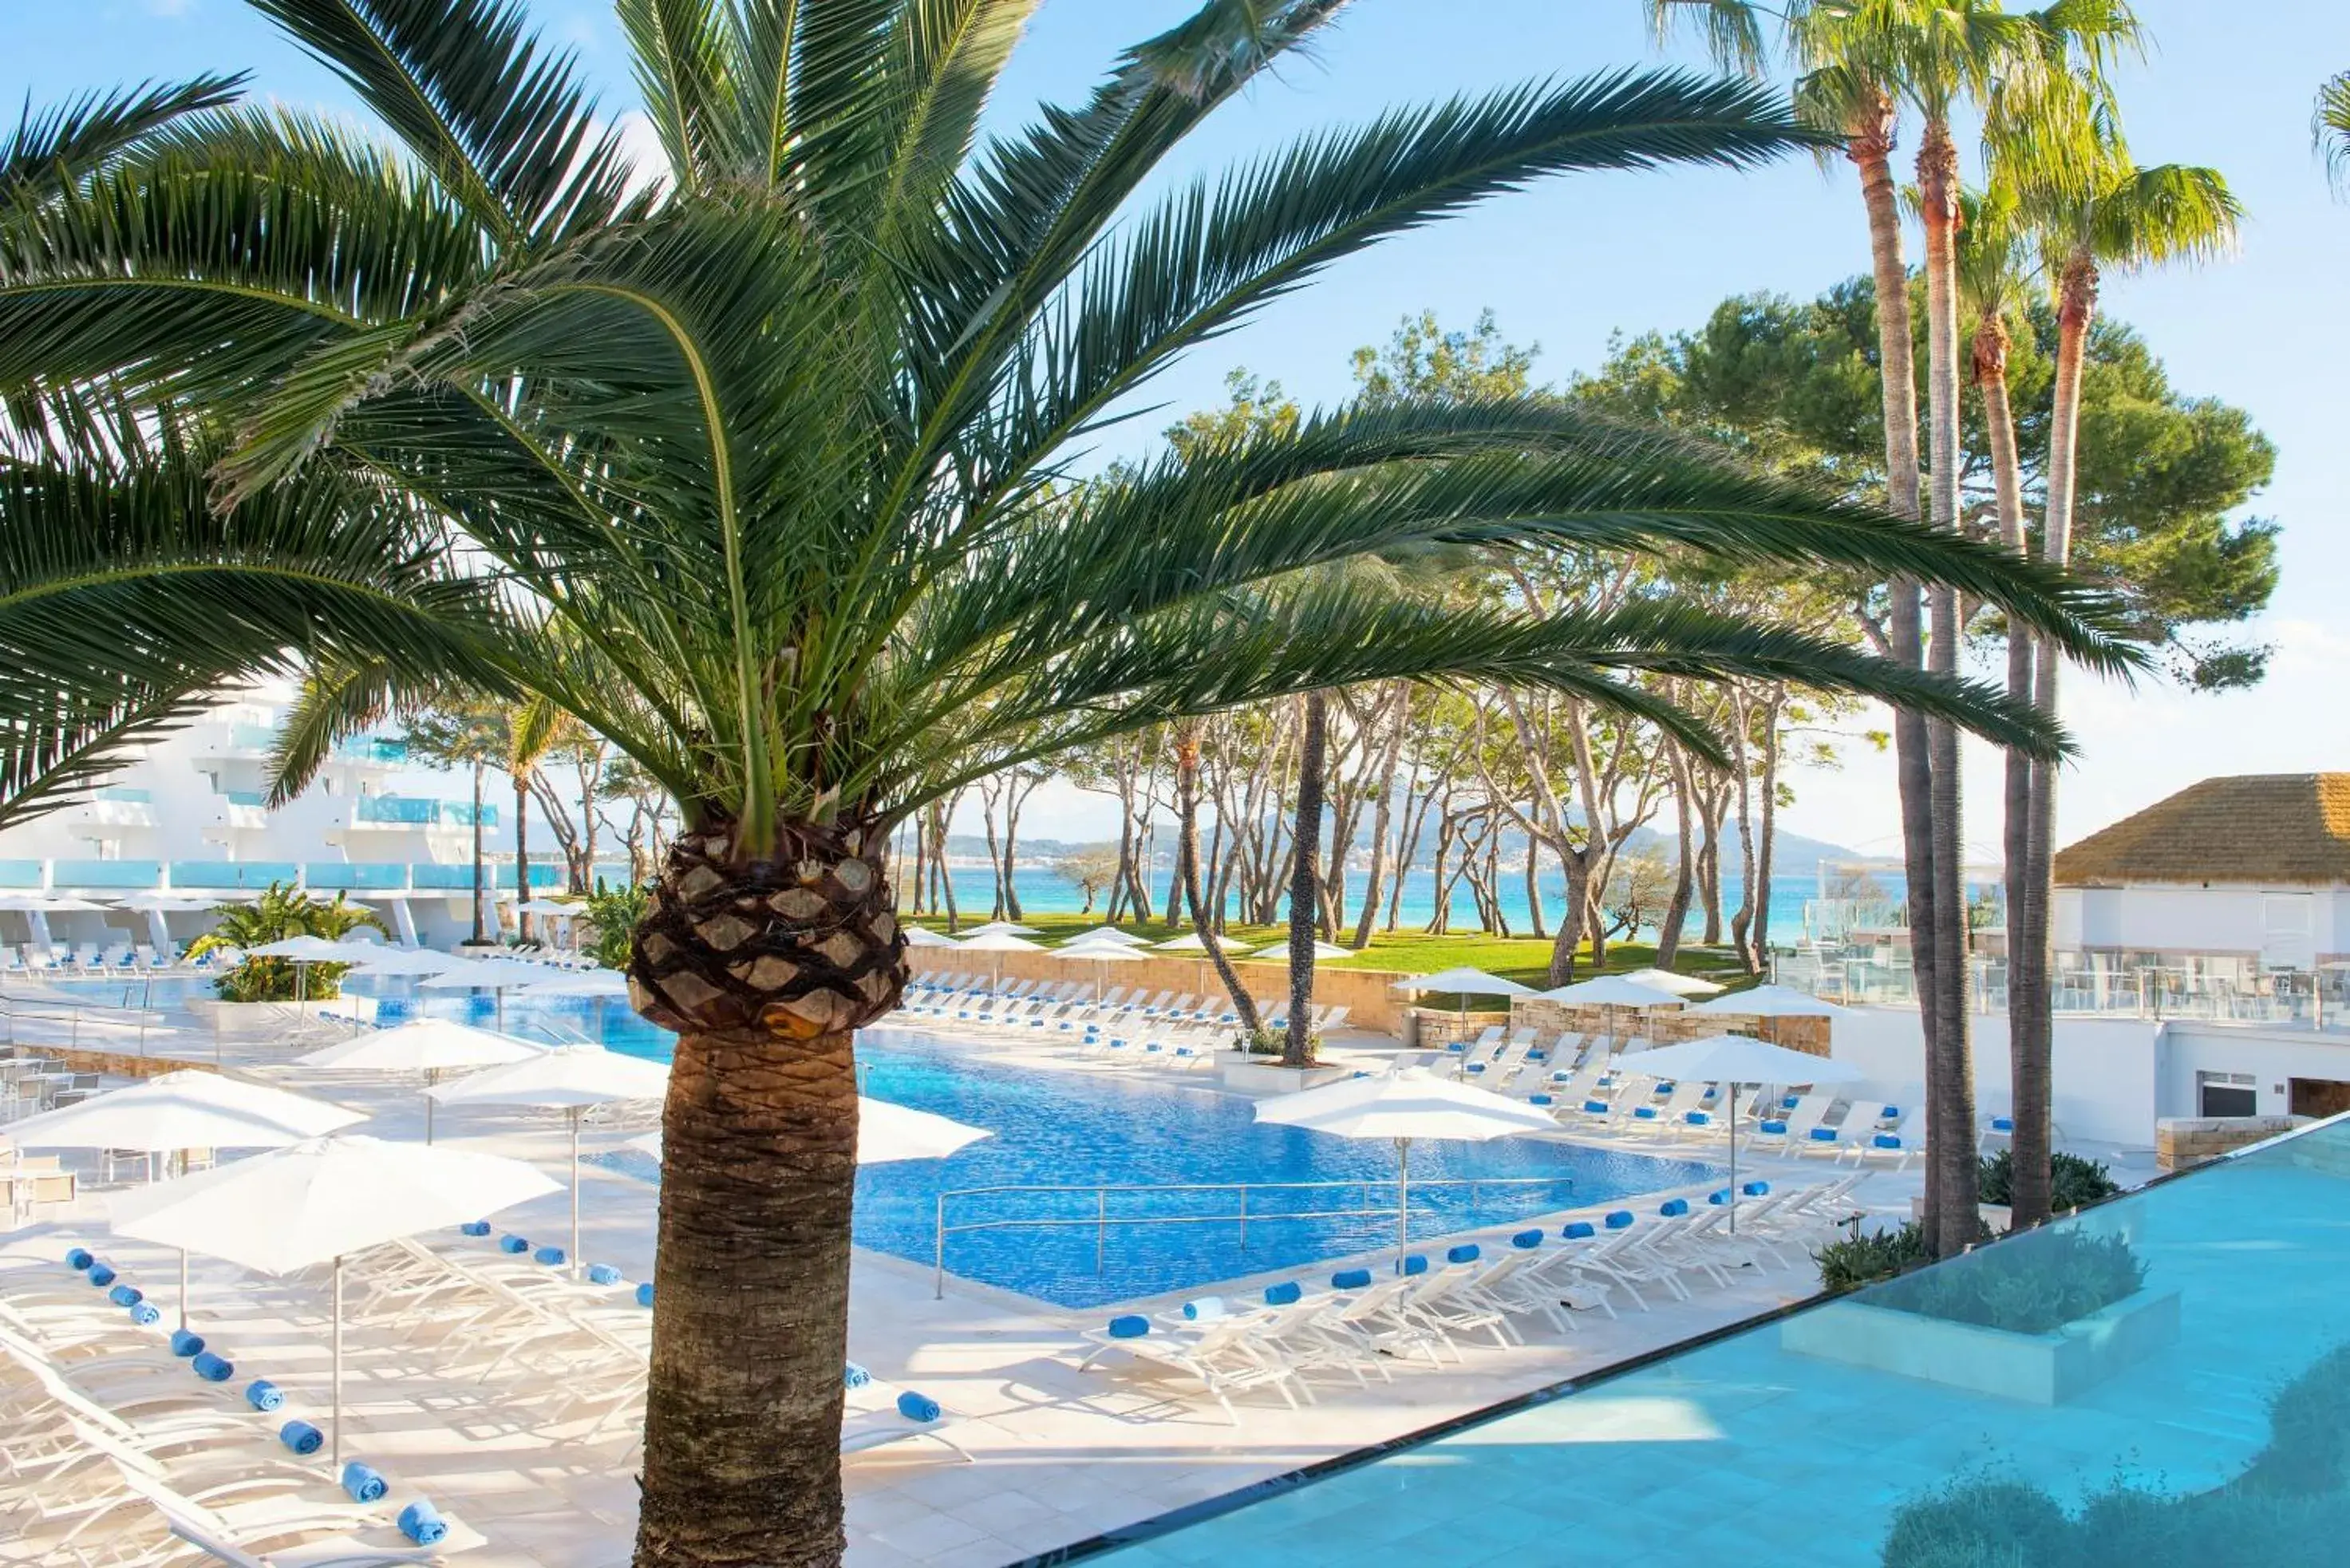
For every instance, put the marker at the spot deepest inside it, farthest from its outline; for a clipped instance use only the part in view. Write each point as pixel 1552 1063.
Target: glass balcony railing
pixel 251 737
pixel 107 873
pixel 20 873
pixel 128 795
pixel 417 810
pixel 258 799
pixel 460 814
pixel 2162 1379
pixel 454 878
pixel 250 876
pixel 373 749
pixel 353 876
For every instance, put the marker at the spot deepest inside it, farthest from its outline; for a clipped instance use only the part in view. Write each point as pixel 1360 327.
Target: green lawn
pixel 1410 951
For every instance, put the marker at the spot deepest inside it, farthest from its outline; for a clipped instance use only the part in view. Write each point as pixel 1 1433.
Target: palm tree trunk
pixel 2029 1073
pixel 1187 871
pixel 1382 822
pixel 522 855
pixel 2035 1138
pixel 1950 1064
pixel 765 969
pixel 1305 881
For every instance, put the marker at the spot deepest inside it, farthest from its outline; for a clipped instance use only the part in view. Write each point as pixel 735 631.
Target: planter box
pixel 2031 1368
pixel 1260 1077
pixel 237 1019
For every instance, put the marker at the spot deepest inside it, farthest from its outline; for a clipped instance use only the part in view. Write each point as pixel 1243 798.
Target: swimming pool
pixel 1086 1134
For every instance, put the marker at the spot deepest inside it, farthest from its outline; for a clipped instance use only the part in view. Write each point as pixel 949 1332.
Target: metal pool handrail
pixel 1102 1219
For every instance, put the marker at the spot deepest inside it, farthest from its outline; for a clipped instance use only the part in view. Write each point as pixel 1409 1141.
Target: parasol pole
pixel 335 1454
pixel 1403 1201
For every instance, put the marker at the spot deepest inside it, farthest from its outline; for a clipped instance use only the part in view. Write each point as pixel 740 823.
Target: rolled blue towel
pixel 1673 1208
pixel 1417 1263
pixel 1774 1127
pixel 1698 1118
pixel 1537 1099
pixel 79 1259
pixel 645 1294
pixel 1595 1107
pixel 1619 1219
pixel 214 1368
pixel 2002 1124
pixel 422 1522
pixel 301 1437
pixel 1823 1135
pixel 1888 1113
pixel 364 1483
pixel 126 1295
pixel 1789 1102
pixel 1351 1279
pixel 603 1274
pixel 1718 1199
pixel 186 1342
pixel 146 1314
pixel 1206 1309
pixel 553 1257
pixel 852 1376
pixel 1467 1253
pixel 917 1407
pixel 1133 1325
pixel 475 1228
pixel 1578 1230
pixel 1476 1067
pixel 1526 1240
pixel 1886 1141
pixel 100 1275
pixel 1643 1113
pixel 1281 1294
pixel 515 1245
pixel 264 1394
pixel 1756 1190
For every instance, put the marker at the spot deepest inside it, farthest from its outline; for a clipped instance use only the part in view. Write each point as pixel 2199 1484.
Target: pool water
pixel 1084 1131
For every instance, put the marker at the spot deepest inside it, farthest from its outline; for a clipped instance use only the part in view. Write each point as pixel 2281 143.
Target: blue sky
pixel 1567 263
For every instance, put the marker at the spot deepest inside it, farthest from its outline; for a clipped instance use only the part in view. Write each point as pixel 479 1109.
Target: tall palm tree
pixel 767 463
pixel 2120 216
pixel 2329 127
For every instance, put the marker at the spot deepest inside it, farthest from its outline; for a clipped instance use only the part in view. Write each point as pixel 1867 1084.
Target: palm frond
pixel 62 143
pixel 2329 129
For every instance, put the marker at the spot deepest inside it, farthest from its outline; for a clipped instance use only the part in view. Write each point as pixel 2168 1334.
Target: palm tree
pixel 2329 128
pixel 2115 215
pixel 767 463
pixel 282 911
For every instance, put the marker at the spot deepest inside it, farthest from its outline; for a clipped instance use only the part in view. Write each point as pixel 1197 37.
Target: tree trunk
pixel 522 855
pixel 765 967
pixel 1012 909
pixel 1535 927
pixel 1305 883
pixel 2034 1135
pixel 1741 924
pixel 1767 835
pixel 1187 871
pixel 1382 822
pixel 1669 934
pixel 480 891
pixel 1950 1070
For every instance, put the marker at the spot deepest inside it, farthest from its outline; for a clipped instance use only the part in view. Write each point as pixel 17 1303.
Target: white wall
pixel 2107 1071
pixel 2273 1058
pixel 2200 919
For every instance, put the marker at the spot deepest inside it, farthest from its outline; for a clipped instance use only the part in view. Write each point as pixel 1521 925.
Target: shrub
pixel 2073 1182
pixel 2031 1283
pixel 1848 1265
pixel 615 912
pixel 283 910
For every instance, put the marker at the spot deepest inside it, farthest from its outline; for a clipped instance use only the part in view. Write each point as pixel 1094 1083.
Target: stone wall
pixel 2183 1141
pixel 114 1064
pixel 1667 1025
pixel 1367 994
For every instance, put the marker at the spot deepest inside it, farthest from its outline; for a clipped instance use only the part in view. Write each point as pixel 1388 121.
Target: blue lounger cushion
pixel 917 1406
pixel 364 1483
pixel 515 1245
pixel 79 1259
pixel 126 1295
pixel 603 1274
pixel 645 1294
pixel 1526 1240
pixel 1619 1219
pixel 301 1437
pixel 1595 1107
pixel 422 1522
pixel 214 1368
pixel 1823 1135
pixel 1645 1113
pixel 264 1394
pixel 100 1275
pixel 1206 1309
pixel 1698 1118
pixel 146 1314
pixel 1886 1141
pixel 1467 1253
pixel 1774 1127
pixel 1673 1208
pixel 2002 1124
pixel 853 1376
pixel 475 1228
pixel 1283 1293
pixel 1417 1263
pixel 553 1257
pixel 1132 1326
pixel 1756 1190
pixel 186 1342
pixel 1579 1231
pixel 1351 1279
pixel 1537 1099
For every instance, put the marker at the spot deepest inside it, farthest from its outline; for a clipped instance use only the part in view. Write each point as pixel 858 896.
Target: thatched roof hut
pixel 2261 830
